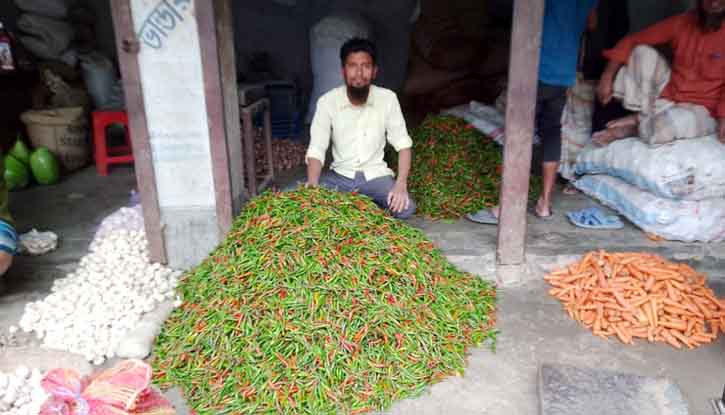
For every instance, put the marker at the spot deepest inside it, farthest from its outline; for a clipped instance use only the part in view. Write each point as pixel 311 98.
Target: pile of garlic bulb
pixel 128 218
pixel 21 393
pixel 93 308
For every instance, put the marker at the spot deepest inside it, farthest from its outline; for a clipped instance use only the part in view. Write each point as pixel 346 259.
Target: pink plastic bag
pixel 124 389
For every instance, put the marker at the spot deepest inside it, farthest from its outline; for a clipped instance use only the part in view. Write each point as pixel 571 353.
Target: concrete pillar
pixel 181 81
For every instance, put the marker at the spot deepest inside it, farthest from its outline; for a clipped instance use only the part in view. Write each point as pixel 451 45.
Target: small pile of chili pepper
pixel 319 303
pixel 456 169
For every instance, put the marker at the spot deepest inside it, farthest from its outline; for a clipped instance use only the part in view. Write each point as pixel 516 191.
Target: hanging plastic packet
pixel 7 61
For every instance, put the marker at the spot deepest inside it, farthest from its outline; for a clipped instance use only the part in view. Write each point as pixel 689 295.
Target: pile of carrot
pixel 640 295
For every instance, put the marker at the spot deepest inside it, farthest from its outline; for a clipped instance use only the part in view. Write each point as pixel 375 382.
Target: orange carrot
pixel 679 336
pixel 701 338
pixel 670 339
pixel 690 326
pixel 639 295
pixel 653 304
pixel 702 307
pixel 674 324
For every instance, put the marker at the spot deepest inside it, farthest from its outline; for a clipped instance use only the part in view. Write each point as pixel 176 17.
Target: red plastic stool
pixel 102 153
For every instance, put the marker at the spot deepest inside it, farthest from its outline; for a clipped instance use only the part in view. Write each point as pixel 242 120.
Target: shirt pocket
pixel 713 64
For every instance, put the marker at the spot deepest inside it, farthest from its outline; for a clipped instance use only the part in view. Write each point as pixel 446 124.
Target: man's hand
pixel 721 130
pixel 398 199
pixel 605 89
pixel 5 261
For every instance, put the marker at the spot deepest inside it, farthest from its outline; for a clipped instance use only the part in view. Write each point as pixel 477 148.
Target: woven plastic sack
pixel 44 37
pixel 576 125
pixel 326 39
pixel 57 9
pixel 484 118
pixel 677 220
pixel 690 169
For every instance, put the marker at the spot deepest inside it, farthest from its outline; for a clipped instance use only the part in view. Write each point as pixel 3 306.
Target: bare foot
pixel 628 121
pixel 605 137
pixel 542 209
pixel 570 190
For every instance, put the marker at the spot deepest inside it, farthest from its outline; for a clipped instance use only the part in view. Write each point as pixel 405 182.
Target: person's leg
pixel 335 181
pixel 550 105
pixel 681 121
pixel 490 216
pixel 618 129
pixel 378 190
pixel 638 86
pixel 550 146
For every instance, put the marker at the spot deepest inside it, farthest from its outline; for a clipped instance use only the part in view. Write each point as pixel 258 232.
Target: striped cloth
pixel 8 238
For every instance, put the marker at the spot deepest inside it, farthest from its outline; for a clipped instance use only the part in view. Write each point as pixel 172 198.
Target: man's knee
pixel 643 52
pixel 407 213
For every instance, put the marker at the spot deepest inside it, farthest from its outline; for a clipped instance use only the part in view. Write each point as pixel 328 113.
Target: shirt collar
pixel 344 101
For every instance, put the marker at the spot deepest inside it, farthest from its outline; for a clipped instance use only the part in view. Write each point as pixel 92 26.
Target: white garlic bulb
pixel 93 308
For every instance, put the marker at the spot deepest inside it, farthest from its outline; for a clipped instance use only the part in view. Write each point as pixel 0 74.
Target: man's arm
pixel 398 199
pixel 320 131
pixel 405 157
pixel 398 137
pixel 658 34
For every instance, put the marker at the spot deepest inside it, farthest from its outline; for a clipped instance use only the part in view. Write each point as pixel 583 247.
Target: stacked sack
pixel 45 31
pixel 576 125
pixel 676 190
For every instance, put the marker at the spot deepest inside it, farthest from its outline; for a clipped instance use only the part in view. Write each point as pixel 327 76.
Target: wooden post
pixel 128 46
pixel 520 114
pixel 213 26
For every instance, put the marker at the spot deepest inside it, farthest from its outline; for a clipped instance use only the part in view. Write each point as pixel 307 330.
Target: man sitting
pixel 686 101
pixel 359 117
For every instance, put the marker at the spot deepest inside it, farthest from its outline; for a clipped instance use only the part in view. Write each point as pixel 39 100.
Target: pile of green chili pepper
pixel 319 303
pixel 456 169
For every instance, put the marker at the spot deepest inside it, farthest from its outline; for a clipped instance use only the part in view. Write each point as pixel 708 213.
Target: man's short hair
pixel 355 45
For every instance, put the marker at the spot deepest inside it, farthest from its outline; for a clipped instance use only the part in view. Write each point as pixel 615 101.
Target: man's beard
pixel 710 22
pixel 358 93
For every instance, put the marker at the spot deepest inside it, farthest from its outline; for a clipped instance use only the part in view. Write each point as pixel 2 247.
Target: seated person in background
pixel 686 101
pixel 359 118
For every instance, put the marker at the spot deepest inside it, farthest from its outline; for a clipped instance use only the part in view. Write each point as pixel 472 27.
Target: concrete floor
pixel 73 209
pixel 533 327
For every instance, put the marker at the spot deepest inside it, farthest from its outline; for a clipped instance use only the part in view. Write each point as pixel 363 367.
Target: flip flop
pixel 483 216
pixel 594 218
pixel 570 190
pixel 533 211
